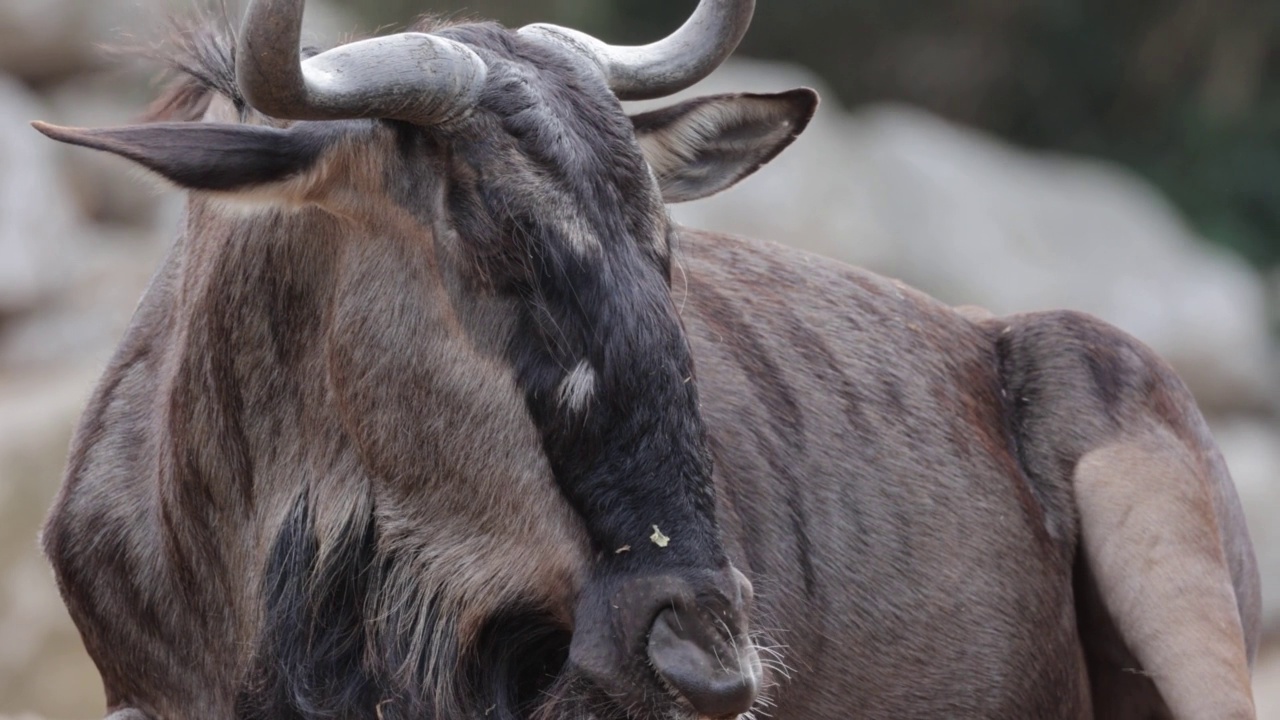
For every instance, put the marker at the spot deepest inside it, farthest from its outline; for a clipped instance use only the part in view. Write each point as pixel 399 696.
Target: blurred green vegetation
pixel 1186 92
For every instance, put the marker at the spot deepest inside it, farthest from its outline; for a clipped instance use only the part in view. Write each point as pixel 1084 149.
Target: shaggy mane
pixel 198 57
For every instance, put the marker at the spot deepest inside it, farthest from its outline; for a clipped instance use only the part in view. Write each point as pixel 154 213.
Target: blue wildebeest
pixel 408 426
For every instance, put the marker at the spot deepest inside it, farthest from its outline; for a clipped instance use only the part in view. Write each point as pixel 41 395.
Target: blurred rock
pixel 51 39
pixel 84 322
pixel 68 286
pixel 1252 451
pixel 47 40
pixel 1275 298
pixel 43 666
pixel 39 232
pixel 991 225
pixel 1266 686
pixel 974 221
pixel 106 188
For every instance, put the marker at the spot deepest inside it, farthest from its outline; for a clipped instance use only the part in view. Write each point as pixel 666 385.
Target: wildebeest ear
pixel 204 156
pixel 702 146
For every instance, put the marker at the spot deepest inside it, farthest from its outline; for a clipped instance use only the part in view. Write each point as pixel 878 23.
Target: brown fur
pixel 303 437
pixel 902 491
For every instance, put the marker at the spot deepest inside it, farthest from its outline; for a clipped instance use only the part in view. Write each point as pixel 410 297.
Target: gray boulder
pixel 40 234
pixel 48 40
pixel 43 665
pixel 1252 451
pixel 68 286
pixel 105 188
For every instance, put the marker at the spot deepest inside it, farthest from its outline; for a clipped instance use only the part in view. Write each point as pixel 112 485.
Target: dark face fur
pixel 548 192
pixel 540 217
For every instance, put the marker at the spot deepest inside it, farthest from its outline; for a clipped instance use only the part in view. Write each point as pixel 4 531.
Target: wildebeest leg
pixel 1167 589
pixel 1151 541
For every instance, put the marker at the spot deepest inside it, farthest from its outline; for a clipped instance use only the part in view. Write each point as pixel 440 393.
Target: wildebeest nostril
pixel 716 676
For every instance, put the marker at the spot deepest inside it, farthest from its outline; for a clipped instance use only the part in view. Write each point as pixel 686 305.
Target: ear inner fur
pixel 702 146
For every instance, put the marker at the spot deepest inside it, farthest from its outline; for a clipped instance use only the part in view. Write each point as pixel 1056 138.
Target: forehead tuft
pixel 199 52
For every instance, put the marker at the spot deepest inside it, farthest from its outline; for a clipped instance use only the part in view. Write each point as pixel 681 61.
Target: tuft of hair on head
pixel 195 57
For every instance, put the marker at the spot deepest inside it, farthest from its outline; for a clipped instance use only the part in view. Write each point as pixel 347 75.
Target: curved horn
pixel 672 64
pixel 414 77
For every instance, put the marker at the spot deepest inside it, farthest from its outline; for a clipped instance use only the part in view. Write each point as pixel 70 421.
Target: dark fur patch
pixel 325 654
pixel 311 660
pixel 516 662
pixel 1021 392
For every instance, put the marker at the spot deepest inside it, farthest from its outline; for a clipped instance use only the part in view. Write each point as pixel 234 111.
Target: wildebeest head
pixel 504 162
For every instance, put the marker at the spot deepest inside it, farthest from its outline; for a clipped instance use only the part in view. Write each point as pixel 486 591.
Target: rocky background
pixel 902 184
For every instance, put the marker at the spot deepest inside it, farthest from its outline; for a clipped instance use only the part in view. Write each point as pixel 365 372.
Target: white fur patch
pixel 579 234
pixel 577 387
